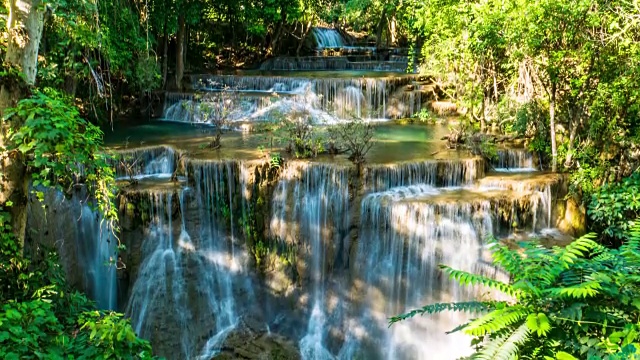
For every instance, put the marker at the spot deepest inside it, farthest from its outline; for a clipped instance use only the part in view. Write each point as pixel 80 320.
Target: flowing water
pixel 327 38
pixel 328 100
pixel 97 252
pixel 237 250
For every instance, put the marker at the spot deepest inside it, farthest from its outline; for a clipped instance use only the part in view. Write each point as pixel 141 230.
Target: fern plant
pixel 576 302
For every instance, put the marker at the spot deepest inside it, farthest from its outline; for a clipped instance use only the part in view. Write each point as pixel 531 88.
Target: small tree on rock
pixel 355 136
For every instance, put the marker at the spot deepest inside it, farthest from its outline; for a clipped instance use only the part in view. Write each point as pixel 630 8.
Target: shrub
pixel 42 318
pixel 615 206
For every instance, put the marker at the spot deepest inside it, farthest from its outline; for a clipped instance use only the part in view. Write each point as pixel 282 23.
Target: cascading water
pixel 513 160
pixel 402 240
pixel 327 38
pixel 194 271
pixel 98 256
pixel 327 100
pixel 320 63
pixel 154 161
pixel 430 172
pixel 314 198
pixel 88 249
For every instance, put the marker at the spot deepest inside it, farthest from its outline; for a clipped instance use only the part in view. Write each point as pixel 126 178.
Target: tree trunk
pixel 392 31
pixel 575 121
pixel 180 52
pixel 552 128
pixel 305 32
pixel 165 53
pixel 380 28
pixel 276 37
pixel 25 24
pixel 185 47
pixel 165 60
pixel 483 116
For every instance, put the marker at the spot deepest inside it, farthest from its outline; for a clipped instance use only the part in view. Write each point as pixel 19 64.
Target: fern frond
pixel 577 249
pixel 470 306
pixel 583 290
pixel 509 260
pixel 469 279
pixel 496 320
pixel 539 323
pixel 573 312
pixel 504 347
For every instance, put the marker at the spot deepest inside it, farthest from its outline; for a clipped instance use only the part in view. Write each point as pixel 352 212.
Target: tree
pixel 356 137
pixel 24 28
pixel 579 301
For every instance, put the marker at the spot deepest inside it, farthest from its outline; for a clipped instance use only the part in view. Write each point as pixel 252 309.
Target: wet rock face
pixel 252 341
pixel 51 224
pixel 572 217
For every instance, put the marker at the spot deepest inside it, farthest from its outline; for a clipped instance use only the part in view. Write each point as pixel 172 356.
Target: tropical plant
pixel 299 135
pixel 216 108
pixel 579 301
pixel 62 149
pixel 615 207
pixel 43 318
pixel 356 137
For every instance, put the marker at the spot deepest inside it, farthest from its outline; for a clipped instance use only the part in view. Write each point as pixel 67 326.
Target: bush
pixel 355 136
pixel 565 303
pixel 614 207
pixel 42 318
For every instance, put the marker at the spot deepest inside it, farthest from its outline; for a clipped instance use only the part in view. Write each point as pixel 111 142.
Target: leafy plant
pixel 62 149
pixel 356 136
pixel 42 318
pixel 425 116
pixel 579 301
pixel 299 135
pixel 614 207
pixel 216 108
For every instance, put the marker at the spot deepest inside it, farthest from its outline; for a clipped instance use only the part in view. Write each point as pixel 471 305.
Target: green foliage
pixel 275 161
pixel 62 149
pixel 425 116
pixel 616 206
pixel 42 318
pixel 298 135
pixel 564 303
pixel 356 137
pixel 508 62
pixel 93 50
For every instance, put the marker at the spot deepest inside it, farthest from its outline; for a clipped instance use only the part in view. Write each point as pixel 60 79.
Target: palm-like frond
pixel 496 320
pixel 469 279
pixel 579 291
pixel 504 347
pixel 471 307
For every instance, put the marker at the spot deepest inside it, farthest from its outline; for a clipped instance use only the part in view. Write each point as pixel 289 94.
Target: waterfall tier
pixel 338 252
pixel 514 160
pixel 327 38
pixel 153 161
pixel 327 100
pixel 396 63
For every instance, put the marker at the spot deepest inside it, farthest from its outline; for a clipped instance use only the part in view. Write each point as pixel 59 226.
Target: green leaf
pixel 561 355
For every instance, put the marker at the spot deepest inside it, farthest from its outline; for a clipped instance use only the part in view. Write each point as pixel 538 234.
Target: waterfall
pixel 327 100
pixel 311 206
pixel 430 172
pixel 400 245
pixel 98 256
pixel 319 63
pixel 156 161
pixel 327 38
pixel 513 160
pixel 193 270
